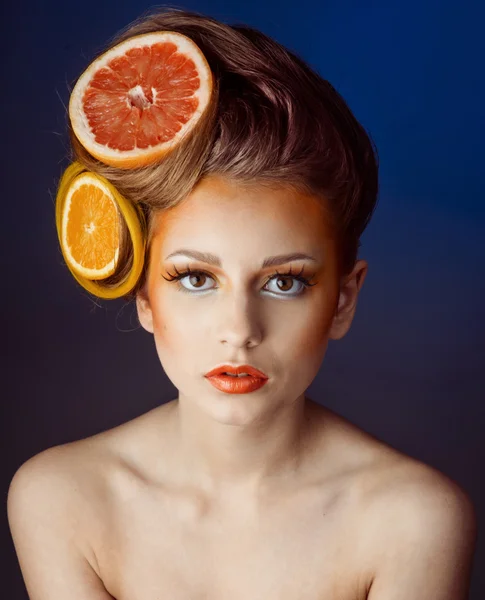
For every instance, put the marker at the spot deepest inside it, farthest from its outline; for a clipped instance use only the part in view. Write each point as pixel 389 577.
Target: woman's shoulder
pixel 381 469
pixel 102 463
pixel 79 483
pixel 64 467
pixel 98 467
pixel 80 469
pixel 60 486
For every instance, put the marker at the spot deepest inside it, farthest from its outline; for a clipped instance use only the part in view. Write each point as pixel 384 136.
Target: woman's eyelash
pixel 299 277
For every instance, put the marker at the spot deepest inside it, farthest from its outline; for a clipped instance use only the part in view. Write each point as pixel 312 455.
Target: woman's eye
pixel 197 280
pixel 284 285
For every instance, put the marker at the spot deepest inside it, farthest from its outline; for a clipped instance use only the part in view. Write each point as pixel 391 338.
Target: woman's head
pixel 209 298
pixel 275 125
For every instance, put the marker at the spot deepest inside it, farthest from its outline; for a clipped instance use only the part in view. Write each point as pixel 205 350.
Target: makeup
pixel 241 379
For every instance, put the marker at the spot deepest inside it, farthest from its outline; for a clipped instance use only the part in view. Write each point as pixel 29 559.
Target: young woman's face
pixel 237 311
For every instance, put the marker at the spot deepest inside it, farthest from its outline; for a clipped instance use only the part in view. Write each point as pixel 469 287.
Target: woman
pixel 243 486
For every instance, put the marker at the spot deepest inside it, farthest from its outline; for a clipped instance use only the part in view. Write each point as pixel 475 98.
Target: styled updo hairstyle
pixel 273 122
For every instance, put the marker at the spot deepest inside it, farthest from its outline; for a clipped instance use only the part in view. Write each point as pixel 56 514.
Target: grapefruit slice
pixel 88 214
pixel 135 102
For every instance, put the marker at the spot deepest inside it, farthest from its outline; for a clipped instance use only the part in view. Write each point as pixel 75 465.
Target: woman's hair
pixel 273 122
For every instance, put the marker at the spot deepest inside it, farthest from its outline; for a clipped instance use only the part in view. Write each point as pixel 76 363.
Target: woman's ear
pixel 144 310
pixel 347 302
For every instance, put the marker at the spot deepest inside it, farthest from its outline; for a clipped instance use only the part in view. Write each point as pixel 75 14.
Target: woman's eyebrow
pixel 212 259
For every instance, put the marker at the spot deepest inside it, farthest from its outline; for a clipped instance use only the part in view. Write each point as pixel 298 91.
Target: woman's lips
pixel 236 370
pixel 236 385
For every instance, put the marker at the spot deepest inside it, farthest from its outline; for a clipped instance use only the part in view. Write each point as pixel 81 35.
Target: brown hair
pixel 272 121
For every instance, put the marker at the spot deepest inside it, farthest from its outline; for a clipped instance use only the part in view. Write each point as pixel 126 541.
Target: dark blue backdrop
pixel 409 371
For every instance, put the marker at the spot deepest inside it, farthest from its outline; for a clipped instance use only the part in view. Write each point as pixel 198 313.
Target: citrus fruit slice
pixel 135 102
pixel 88 213
pixel 90 228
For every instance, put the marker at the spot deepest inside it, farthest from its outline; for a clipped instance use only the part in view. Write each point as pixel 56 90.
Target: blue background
pixel 410 371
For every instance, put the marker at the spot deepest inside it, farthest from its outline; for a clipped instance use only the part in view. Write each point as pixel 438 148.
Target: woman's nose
pixel 240 322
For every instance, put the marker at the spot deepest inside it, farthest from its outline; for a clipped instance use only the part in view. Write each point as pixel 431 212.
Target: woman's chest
pixel 304 550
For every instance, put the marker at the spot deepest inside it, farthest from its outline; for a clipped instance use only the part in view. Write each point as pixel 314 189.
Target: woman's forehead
pixel 218 204
pixel 243 227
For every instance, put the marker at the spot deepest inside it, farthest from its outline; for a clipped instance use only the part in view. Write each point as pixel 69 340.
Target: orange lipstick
pixel 243 379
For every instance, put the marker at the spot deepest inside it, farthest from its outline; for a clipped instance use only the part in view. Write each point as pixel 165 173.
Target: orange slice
pixel 136 101
pixel 90 228
pixel 88 213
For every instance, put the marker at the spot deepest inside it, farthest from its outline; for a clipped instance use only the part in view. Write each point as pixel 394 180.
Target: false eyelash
pixel 306 281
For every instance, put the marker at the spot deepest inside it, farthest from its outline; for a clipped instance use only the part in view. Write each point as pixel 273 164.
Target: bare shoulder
pixel 82 471
pixel 396 486
pixel 57 471
pixel 83 474
pixel 389 477
pixel 421 528
pixel 63 482
pixel 410 493
pixel 49 508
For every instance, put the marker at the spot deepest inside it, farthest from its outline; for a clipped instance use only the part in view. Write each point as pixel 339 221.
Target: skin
pixel 235 446
pixel 191 499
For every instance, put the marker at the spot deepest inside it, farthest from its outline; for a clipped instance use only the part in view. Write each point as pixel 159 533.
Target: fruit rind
pixel 135 221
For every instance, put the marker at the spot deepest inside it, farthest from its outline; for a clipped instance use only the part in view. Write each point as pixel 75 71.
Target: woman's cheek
pixel 173 328
pixel 164 315
pixel 315 333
